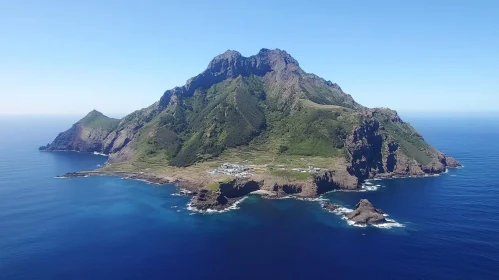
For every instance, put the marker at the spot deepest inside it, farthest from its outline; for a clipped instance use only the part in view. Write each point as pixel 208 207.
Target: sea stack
pixel 365 213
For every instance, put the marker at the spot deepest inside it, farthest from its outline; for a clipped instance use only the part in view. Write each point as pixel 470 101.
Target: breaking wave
pixel 211 211
pixel 182 192
pixel 342 211
pixel 391 224
pixel 311 199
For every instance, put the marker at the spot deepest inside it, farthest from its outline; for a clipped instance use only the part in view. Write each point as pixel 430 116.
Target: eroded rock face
pixel 287 189
pixel 235 188
pixel 228 194
pixel 382 145
pixel 336 179
pixel 365 213
pixel 365 145
pixel 230 65
pixel 449 161
pixel 77 138
pixel 206 199
pixel 87 135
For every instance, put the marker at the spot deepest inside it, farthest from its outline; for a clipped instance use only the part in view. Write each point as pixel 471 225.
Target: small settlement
pixel 234 170
pixel 243 171
pixel 310 169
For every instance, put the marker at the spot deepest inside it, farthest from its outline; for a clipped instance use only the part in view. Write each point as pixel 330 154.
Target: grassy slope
pixel 239 121
pixel 97 120
pixel 234 121
pixel 236 116
pixel 409 140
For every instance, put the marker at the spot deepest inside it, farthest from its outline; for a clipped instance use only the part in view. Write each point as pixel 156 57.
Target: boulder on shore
pixel 365 213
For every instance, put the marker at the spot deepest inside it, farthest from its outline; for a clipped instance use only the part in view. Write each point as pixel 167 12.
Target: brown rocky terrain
pixel 365 213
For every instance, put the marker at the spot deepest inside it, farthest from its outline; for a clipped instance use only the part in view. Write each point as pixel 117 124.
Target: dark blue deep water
pixel 108 228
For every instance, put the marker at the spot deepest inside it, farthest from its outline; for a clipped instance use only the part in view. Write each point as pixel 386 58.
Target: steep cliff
pixel 382 145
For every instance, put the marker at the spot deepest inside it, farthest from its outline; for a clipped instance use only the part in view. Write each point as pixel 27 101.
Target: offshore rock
pixel 330 206
pixel 365 213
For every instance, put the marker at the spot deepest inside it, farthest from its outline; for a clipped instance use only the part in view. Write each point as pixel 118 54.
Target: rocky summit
pixel 293 131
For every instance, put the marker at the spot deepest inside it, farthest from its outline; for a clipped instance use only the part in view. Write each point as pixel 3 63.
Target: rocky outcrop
pixel 330 206
pixel 276 67
pixel 87 135
pixel 210 200
pixel 382 145
pixel 230 65
pixel 365 213
pixel 99 133
pixel 365 146
pixel 227 195
pixel 73 175
pixel 79 139
pixel 287 189
pixel 449 161
pixel 335 179
pixel 237 188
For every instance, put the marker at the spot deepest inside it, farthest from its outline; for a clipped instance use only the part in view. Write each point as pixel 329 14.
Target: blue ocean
pixel 110 228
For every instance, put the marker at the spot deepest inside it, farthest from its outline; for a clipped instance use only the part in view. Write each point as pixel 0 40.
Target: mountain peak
pixel 277 55
pixel 94 112
pixel 224 60
pixel 265 58
pixel 231 64
pixel 230 54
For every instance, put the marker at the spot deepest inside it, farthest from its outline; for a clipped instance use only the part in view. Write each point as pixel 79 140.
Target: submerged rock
pixel 330 206
pixel 73 175
pixel 365 213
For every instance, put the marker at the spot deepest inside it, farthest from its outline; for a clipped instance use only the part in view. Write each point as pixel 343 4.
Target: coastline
pixel 233 192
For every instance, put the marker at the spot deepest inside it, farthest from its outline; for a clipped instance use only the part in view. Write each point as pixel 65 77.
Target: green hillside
pixel 262 109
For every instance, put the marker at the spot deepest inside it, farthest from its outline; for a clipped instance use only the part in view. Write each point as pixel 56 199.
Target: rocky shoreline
pixel 231 192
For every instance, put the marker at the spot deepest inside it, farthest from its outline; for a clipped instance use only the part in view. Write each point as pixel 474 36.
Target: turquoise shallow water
pixel 109 228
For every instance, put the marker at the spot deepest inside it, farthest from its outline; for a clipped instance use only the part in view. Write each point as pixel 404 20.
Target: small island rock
pixel 365 213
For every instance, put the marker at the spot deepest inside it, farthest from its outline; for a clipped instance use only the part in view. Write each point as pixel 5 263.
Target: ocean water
pixel 109 228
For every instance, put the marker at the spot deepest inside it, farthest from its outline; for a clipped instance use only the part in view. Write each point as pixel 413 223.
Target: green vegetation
pixel 96 120
pixel 314 132
pixel 291 175
pixel 317 91
pixel 282 117
pixel 411 143
pixel 225 180
pixel 213 186
pixel 200 127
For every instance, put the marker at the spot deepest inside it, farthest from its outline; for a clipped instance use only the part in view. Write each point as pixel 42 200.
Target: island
pixel 257 124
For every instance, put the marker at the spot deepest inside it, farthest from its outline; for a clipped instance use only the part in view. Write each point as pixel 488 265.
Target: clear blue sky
pixel 68 57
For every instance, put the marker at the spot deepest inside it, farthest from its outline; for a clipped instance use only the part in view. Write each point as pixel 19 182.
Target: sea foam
pixel 342 211
pixel 211 211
